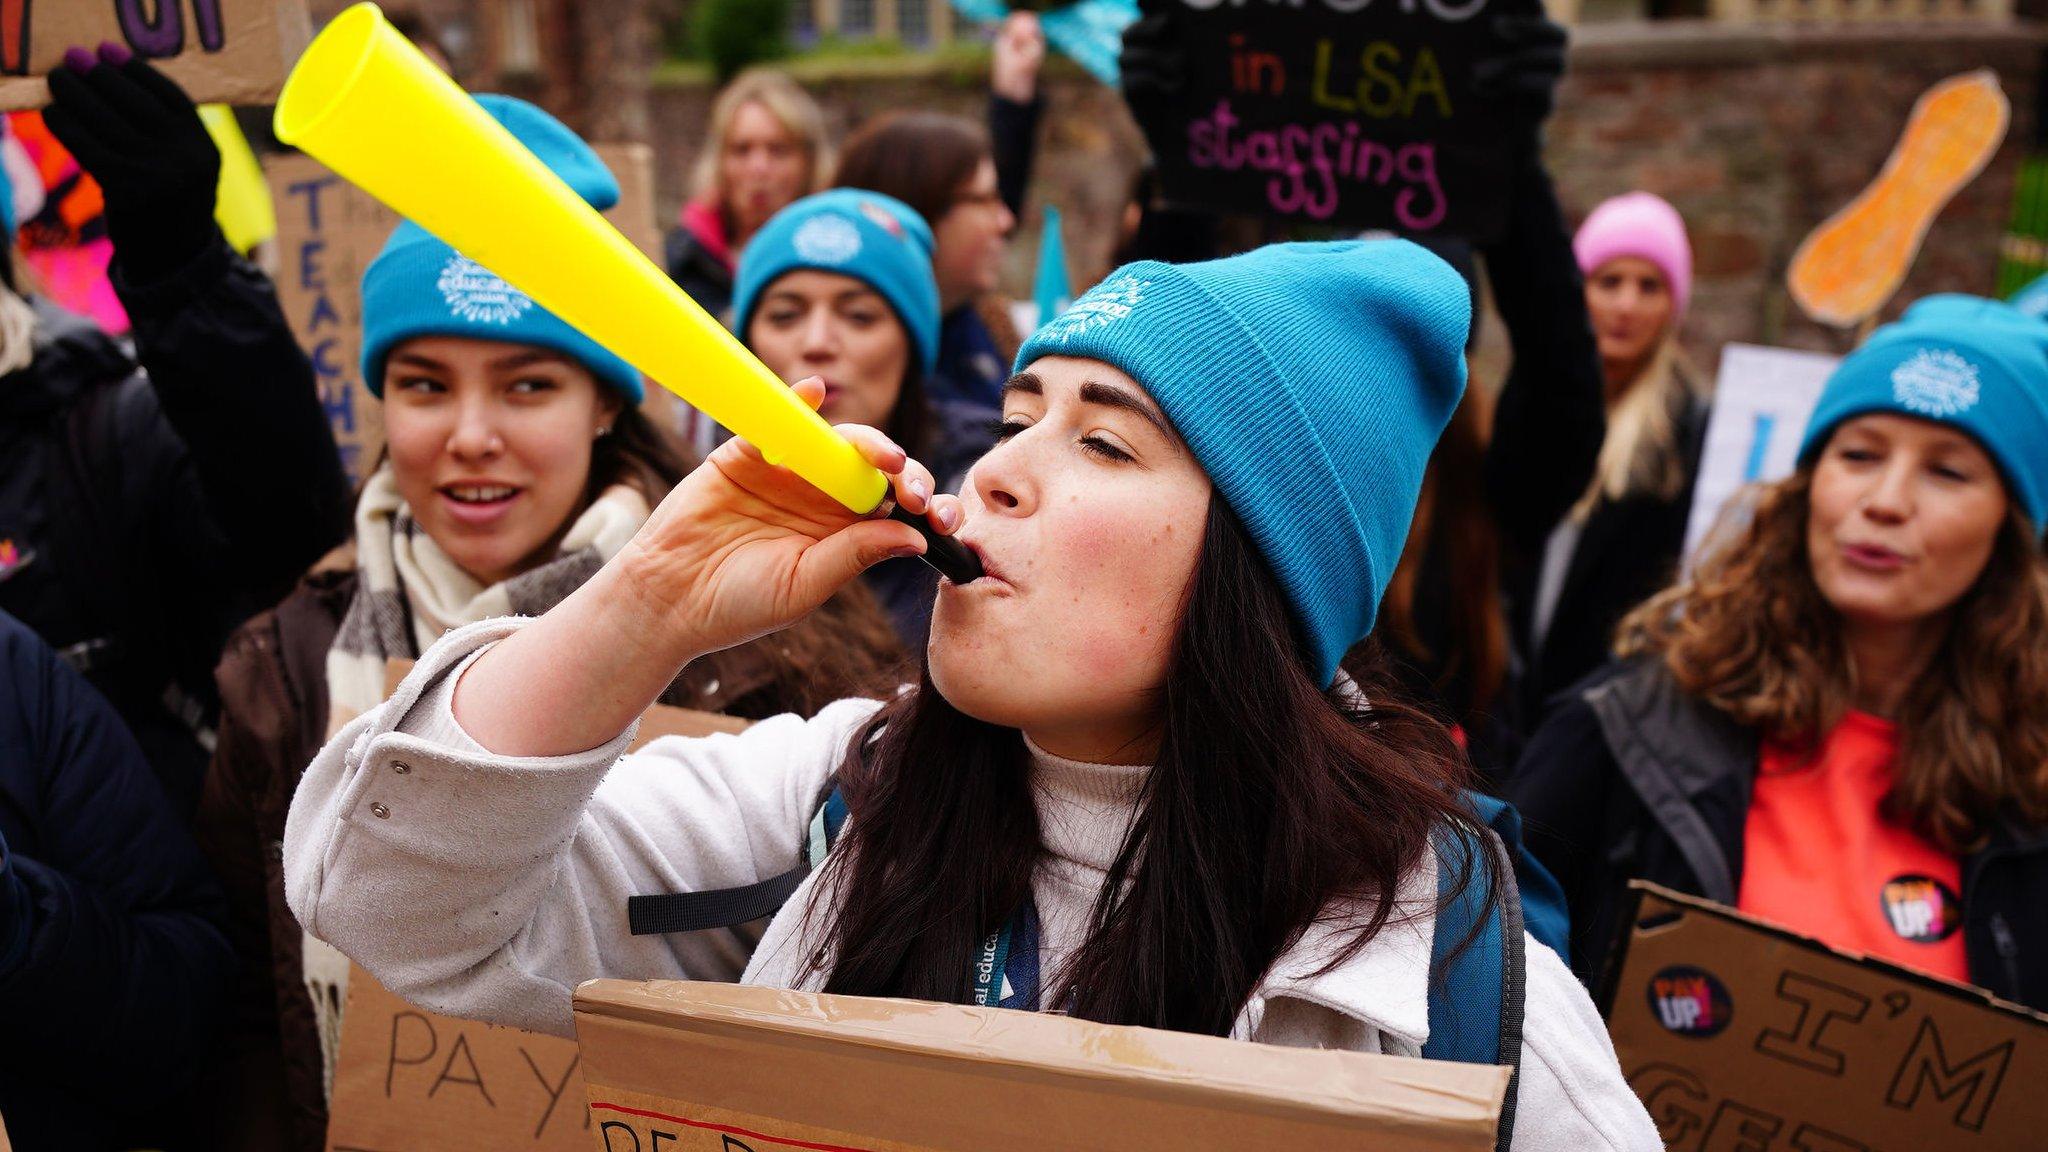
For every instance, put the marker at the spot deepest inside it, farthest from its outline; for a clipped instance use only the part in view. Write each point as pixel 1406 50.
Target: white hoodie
pixel 488 886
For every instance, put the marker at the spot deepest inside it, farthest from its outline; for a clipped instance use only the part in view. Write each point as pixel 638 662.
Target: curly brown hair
pixel 1749 633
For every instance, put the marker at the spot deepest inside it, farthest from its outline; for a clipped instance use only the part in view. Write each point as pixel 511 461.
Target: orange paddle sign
pixel 1849 266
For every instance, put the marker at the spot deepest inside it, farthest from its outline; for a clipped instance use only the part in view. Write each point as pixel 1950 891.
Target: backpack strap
pixel 1476 965
pixel 729 907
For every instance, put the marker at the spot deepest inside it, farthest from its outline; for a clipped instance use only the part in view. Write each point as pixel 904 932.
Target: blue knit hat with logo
pixel 1311 382
pixel 1975 364
pixel 878 240
pixel 418 286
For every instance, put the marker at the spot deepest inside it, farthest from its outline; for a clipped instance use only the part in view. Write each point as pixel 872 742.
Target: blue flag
pixel 1053 290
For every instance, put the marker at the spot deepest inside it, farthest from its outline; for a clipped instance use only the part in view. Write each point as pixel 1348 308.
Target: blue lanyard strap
pixel 1006 965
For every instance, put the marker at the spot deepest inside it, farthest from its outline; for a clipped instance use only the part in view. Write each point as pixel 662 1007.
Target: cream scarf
pixel 408 593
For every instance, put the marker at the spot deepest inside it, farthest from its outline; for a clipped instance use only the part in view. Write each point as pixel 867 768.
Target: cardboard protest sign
pixel 225 51
pixel 1761 403
pixel 1738 1034
pixel 682 1067
pixel 1336 112
pixel 328 231
pixel 1848 267
pixel 410 1080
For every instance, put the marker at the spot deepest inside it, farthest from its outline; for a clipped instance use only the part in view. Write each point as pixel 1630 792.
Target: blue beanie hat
pixel 418 286
pixel 1311 382
pixel 878 240
pixel 1975 364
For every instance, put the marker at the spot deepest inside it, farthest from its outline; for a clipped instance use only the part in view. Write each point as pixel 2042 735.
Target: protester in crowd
pixel 839 286
pixel 765 148
pixel 1500 481
pixel 113 968
pixel 1835 722
pixel 142 517
pixel 1621 541
pixel 942 166
pixel 516 465
pixel 1130 743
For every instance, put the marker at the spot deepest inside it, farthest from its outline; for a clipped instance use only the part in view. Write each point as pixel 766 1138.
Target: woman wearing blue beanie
pixel 517 463
pixel 1836 721
pixel 1130 768
pixel 839 286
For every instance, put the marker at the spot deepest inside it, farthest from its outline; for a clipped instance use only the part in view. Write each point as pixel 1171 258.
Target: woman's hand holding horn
pixel 740 549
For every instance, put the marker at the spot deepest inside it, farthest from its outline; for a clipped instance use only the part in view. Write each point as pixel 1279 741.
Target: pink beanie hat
pixel 1638 224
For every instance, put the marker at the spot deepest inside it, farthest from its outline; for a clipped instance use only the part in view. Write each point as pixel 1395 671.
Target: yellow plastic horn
pixel 366 103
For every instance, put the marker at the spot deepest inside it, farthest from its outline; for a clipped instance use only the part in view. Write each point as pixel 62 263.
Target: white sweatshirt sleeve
pixel 489 886
pixel 1573 1096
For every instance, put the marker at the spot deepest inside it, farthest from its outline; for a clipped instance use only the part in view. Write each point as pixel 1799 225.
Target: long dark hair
pixel 921 158
pixel 1272 797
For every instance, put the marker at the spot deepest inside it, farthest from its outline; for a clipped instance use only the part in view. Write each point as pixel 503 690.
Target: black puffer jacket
pixel 144 515
pixel 113 966
pixel 1633 779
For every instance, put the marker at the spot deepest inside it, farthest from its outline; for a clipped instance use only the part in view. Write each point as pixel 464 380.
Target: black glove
pixel 140 137
pixel 1152 67
pixel 1522 73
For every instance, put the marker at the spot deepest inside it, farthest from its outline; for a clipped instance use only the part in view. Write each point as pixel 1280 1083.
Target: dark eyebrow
pixel 528 357
pixel 1111 396
pixel 1023 383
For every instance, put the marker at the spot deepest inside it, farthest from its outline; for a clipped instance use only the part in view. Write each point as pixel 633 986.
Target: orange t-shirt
pixel 1820 859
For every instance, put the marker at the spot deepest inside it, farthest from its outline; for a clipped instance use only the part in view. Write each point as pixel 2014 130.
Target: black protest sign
pixel 1738 1034
pixel 1359 113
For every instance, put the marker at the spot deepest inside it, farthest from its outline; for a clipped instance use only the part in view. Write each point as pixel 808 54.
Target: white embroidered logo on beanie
pixel 1105 304
pixel 1936 382
pixel 474 293
pixel 826 240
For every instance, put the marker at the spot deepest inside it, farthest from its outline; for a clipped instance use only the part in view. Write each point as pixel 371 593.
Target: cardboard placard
pixel 410 1080
pixel 328 231
pixel 220 51
pixel 1762 401
pixel 1740 1034
pixel 1336 112
pixel 673 1066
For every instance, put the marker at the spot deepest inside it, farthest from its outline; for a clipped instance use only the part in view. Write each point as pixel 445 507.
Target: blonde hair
pixel 1641 453
pixel 793 107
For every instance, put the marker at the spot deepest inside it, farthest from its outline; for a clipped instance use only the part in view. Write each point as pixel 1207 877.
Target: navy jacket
pixel 114 969
pixel 1630 778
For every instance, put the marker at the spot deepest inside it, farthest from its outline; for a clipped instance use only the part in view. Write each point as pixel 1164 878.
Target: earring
pixel 603 431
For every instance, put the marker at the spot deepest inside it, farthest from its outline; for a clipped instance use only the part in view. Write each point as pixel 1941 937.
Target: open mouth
pixel 479 494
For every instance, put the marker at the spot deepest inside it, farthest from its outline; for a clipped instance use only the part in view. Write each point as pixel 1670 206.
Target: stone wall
pixel 1757 134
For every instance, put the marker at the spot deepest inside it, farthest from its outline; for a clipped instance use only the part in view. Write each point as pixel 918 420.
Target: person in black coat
pixel 1835 722
pixel 1621 541
pixel 113 965
pixel 144 514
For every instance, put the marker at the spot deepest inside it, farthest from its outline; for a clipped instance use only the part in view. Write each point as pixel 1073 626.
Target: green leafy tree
pixel 732 34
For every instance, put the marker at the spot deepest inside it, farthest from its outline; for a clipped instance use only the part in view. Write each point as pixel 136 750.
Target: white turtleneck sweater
pixel 488 886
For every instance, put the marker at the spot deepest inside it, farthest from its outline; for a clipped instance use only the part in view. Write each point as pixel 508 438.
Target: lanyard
pixel 1006 966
